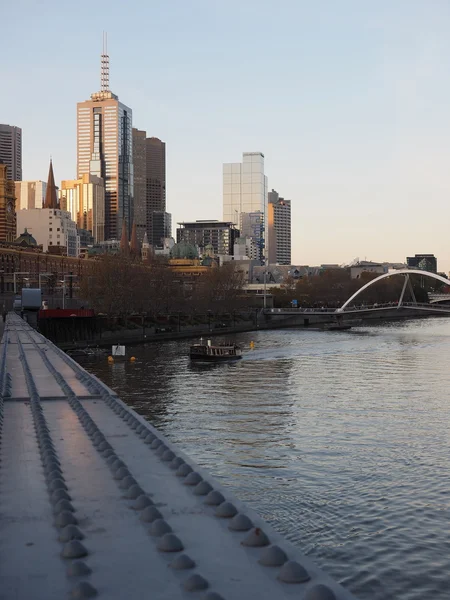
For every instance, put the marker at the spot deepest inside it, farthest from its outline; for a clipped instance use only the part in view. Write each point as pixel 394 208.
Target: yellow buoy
pixel 110 359
pixel 252 345
pixel 132 359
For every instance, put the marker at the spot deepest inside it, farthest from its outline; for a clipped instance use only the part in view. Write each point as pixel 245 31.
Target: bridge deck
pixel 95 501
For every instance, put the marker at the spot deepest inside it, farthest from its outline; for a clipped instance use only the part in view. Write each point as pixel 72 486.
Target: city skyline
pixel 347 103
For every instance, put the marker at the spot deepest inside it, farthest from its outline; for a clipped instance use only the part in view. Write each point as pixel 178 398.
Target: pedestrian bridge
pixel 97 502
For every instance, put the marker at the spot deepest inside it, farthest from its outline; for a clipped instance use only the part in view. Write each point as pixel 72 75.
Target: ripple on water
pixel 339 440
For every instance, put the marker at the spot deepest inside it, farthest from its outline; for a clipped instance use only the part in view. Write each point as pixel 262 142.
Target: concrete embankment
pixel 95 501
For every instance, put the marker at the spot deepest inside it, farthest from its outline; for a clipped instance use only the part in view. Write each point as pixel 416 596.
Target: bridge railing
pixel 356 308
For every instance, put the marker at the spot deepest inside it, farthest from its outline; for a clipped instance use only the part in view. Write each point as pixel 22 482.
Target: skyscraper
pixel 11 150
pixel 245 192
pixel 85 200
pixel 149 159
pixel 279 226
pixel 30 194
pixel 104 149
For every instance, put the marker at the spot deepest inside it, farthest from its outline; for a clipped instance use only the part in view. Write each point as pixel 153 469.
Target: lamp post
pixel 64 293
pixel 43 275
pixel 265 289
pixel 14 278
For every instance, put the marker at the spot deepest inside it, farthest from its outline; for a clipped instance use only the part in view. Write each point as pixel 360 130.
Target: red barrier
pixel 59 313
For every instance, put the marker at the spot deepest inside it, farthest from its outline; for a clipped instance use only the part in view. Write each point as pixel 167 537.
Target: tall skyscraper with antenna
pixel 104 149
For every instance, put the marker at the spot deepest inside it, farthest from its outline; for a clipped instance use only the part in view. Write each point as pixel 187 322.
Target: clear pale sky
pixel 349 100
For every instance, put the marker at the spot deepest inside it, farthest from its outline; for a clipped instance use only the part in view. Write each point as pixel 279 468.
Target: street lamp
pixel 14 278
pixel 43 275
pixel 64 292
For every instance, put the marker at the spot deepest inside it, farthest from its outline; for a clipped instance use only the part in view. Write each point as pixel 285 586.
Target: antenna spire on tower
pixel 104 74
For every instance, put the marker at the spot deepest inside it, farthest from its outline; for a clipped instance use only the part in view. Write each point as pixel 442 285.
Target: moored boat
pixel 219 353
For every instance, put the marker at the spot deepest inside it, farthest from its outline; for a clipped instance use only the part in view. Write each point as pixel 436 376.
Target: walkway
pixel 95 501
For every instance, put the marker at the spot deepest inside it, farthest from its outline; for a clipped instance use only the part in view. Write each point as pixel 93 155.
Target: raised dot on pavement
pixel 240 522
pixel 127 482
pixel 226 510
pixel 70 532
pixel 83 590
pixel 134 492
pixel 256 538
pixel 195 582
pixel 182 562
pixel 59 495
pixel 192 479
pixel 78 568
pixel 319 592
pixel 159 527
pixel 292 572
pixel 73 549
pixel 273 556
pixel 65 518
pixel 202 488
pixel 63 505
pixel 169 542
pixel 214 498
pixel 183 470
pixel 150 514
pixel 142 502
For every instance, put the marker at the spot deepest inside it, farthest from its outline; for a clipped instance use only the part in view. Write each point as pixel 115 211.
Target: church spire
pixel 51 199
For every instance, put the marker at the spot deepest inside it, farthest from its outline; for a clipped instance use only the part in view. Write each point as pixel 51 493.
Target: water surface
pixel 339 439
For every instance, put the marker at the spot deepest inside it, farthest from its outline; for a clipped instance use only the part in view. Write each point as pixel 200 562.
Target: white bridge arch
pixel 405 272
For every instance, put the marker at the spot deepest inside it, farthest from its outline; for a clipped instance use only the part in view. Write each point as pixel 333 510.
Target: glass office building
pixel 245 192
pixel 220 235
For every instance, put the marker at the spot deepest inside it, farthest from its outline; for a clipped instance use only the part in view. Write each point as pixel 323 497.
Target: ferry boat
pixel 220 353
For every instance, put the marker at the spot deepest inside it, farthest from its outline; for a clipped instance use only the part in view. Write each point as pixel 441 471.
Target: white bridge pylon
pixel 405 272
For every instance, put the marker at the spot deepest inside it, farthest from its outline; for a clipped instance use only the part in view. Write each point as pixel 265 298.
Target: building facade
pixel 30 194
pixel 245 192
pixel 279 229
pixel 220 235
pixel 7 206
pixel 11 150
pixel 161 228
pixel 84 199
pixel 140 183
pixel 52 228
pixel 104 149
pixel 424 262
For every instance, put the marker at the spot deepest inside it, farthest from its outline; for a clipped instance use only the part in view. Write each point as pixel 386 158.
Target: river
pixel 339 439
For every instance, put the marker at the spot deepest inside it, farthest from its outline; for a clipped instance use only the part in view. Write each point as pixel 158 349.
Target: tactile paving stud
pixel 240 522
pixel 134 492
pixel 213 596
pixel 55 474
pixel 121 473
pixel 57 484
pixel 159 527
pixel 83 590
pixel 183 470
pixel 63 505
pixel 142 502
pixel 168 456
pixel 169 542
pixel 70 532
pixel 77 568
pixel 273 556
pixel 195 582
pixel 256 538
pixel 161 449
pixel 149 438
pixel 59 495
pixel 192 479
pixel 214 498
pixel 65 518
pixel 111 459
pixel 155 444
pixel 74 549
pixel 117 464
pixel 176 462
pixel 319 592
pixel 104 446
pixel 127 482
pixel 226 510
pixel 202 488
pixel 143 433
pixel 150 514
pixel 182 562
pixel 292 572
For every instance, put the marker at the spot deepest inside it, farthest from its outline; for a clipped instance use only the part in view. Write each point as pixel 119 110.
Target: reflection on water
pixel 340 439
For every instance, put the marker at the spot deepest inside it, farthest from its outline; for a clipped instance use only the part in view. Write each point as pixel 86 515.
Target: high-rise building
pixel 245 191
pixel 7 206
pixel 149 159
pixel 140 182
pixel 221 236
pixel 161 227
pixel 279 226
pixel 84 198
pixel 11 150
pixel 30 194
pixel 424 262
pixel 104 149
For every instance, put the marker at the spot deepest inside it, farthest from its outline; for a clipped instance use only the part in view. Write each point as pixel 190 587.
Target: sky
pixel 348 100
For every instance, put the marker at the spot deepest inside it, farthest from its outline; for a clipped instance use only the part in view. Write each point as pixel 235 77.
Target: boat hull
pixel 216 359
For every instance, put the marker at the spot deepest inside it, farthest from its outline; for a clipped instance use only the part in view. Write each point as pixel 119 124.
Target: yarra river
pixel 339 439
